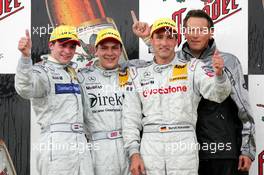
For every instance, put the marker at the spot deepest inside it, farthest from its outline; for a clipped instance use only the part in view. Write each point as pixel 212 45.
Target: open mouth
pixel 65 57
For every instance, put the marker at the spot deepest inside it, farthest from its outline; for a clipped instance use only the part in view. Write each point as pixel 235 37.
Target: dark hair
pixel 200 14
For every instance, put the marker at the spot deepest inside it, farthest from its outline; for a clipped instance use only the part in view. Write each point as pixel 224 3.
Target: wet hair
pixel 199 14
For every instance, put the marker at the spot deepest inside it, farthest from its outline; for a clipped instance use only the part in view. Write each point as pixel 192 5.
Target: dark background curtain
pixel 15 124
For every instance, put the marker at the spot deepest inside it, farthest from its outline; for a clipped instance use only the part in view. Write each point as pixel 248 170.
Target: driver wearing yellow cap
pixel 163 106
pixel 55 95
pixel 104 83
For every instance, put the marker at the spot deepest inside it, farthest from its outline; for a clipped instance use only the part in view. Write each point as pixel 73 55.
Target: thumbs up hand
pixel 25 44
pixel 218 63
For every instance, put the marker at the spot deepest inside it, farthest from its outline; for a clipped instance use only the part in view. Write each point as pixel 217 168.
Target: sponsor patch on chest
pixel 67 88
pixel 179 72
pixel 164 90
pixel 123 78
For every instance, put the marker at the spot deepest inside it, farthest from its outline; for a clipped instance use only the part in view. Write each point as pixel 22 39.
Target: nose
pixel 193 32
pixel 109 52
pixel 194 36
pixel 164 41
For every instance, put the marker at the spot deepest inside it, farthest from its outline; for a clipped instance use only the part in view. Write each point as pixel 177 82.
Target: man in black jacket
pixel 225 131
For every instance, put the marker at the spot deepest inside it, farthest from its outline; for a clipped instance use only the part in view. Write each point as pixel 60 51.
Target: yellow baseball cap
pixel 107 33
pixel 64 33
pixel 163 23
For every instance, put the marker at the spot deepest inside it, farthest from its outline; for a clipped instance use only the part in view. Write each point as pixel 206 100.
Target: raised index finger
pixel 27 34
pixel 134 17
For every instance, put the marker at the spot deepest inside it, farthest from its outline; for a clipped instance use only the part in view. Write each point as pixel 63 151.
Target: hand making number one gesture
pixel 141 29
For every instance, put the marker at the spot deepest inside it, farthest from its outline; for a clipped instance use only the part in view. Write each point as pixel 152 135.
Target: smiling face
pixel 198 34
pixel 163 44
pixel 109 52
pixel 62 52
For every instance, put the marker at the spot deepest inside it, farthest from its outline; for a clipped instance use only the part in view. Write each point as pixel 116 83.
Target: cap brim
pixel 163 27
pixel 107 38
pixel 71 40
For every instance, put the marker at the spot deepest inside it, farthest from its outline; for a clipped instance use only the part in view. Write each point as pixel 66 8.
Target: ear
pixel 51 45
pixel 96 51
pixel 211 33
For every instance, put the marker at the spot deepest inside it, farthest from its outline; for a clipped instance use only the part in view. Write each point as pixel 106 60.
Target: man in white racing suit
pixel 103 84
pixel 162 104
pixel 54 91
